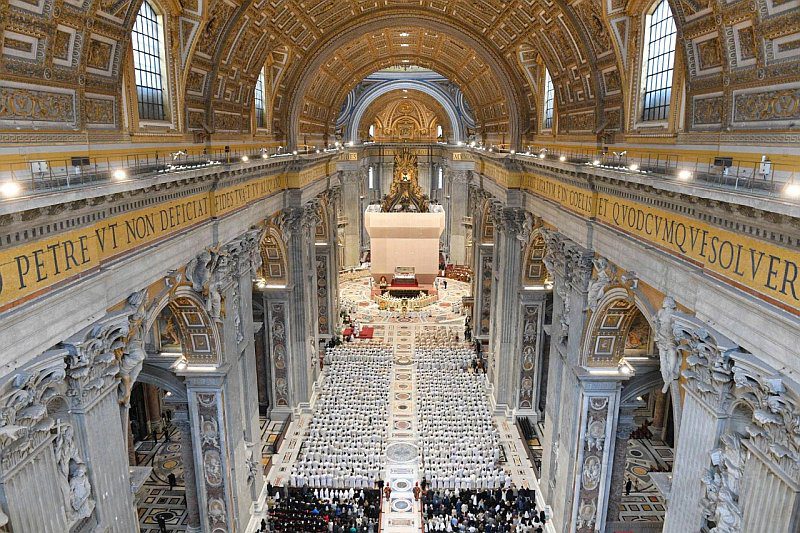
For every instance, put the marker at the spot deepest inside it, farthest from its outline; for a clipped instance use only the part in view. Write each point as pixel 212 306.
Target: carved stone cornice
pixel 458 176
pixel 578 266
pixel 349 177
pixel 496 213
pixel 516 222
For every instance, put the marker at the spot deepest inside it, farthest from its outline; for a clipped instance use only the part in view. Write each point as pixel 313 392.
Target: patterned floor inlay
pixel 355 298
pixel 645 503
pixel 155 496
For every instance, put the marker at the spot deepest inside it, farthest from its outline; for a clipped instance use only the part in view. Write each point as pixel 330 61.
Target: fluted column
pixel 512 228
pixel 181 421
pixel 705 410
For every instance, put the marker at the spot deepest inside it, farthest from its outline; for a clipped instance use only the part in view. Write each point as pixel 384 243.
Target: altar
pixel 404 231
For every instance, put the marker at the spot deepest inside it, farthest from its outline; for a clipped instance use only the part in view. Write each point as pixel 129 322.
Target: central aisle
pixel 403 466
pixel 402 512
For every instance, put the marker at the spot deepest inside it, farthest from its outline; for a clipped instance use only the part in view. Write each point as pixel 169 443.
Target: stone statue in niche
pixel 665 341
pixel 214 302
pixel 252 463
pixel 73 477
pixel 130 366
pixel 563 291
pixel 597 286
pixel 723 483
pixel 133 355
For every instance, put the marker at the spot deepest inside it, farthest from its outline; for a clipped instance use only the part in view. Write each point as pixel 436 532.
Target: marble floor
pixel 645 503
pixel 355 298
pixel 155 496
pixel 402 513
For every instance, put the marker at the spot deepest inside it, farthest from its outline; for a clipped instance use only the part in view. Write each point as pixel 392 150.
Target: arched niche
pixel 535 272
pixel 606 340
pixel 376 92
pixel 274 268
pixel 200 343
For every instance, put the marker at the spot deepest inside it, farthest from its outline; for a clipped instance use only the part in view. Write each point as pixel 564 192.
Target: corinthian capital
pixel 311 215
pixel 288 222
pixel 93 356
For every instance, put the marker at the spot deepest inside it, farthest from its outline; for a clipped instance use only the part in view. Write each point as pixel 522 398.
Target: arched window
pixel 259 100
pixel 148 63
pixel 659 63
pixel 439 131
pixel 441 178
pixel 548 100
pixel 370 178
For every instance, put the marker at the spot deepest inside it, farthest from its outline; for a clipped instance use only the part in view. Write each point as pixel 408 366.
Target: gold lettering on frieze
pixel 759 267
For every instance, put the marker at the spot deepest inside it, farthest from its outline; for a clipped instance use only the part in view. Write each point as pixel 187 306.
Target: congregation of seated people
pixel 496 511
pixel 346 438
pixel 324 511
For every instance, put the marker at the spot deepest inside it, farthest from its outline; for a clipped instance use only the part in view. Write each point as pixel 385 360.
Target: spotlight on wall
pixel 264 155
pixel 562 158
pixel 512 152
pixel 596 162
pixel 541 155
pixel 684 175
pixel 294 152
pixel 245 159
pixel 351 143
pixel 792 190
pixel 120 174
pixel 10 189
pixel 633 167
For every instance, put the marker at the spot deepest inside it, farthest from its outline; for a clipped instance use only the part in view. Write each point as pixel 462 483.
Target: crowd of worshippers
pixel 323 510
pixel 346 438
pixel 460 444
pixel 497 511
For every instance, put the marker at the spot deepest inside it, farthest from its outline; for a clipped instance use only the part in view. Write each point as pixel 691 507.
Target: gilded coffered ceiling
pixel 349 64
pixel 64 62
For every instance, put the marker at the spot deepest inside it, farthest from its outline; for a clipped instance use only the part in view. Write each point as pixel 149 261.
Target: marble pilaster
pixel 532 347
pixel 625 425
pixel 181 421
pixel 457 190
pixel 299 350
pixel 351 191
pixel 92 389
pixel 569 264
pixel 596 450
pixel 212 454
pixel 512 229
